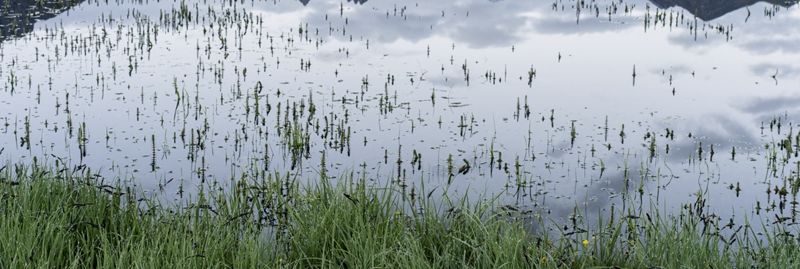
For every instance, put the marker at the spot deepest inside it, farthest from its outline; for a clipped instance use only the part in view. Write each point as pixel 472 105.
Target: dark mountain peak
pixel 711 9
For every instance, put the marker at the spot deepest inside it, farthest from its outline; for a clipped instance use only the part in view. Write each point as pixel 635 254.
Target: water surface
pixel 549 105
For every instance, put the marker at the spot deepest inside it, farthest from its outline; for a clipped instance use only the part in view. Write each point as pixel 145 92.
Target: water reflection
pixel 305 2
pixel 708 10
pixel 396 74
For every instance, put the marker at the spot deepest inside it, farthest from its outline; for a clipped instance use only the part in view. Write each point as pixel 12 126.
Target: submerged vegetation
pixel 400 134
pixel 69 218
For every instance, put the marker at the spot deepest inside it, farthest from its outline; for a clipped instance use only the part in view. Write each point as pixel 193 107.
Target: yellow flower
pixel 585 243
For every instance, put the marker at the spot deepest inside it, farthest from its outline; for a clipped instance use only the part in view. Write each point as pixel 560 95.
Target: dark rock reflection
pixel 17 17
pixel 711 9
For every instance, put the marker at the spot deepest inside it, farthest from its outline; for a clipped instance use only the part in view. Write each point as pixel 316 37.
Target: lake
pixel 544 105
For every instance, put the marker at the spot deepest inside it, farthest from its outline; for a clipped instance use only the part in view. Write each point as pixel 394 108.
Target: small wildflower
pixel 585 243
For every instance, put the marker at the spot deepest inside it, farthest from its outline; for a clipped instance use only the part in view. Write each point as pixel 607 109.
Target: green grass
pixel 52 219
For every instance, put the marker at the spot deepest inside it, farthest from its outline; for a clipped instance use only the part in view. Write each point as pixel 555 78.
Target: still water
pixel 548 105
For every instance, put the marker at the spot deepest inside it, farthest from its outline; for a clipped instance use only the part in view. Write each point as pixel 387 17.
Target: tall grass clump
pixel 59 220
pixel 70 218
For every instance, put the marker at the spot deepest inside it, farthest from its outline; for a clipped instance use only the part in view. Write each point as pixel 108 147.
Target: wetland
pixel 479 133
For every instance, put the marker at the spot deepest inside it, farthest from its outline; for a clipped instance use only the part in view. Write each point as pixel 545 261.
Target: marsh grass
pixel 67 218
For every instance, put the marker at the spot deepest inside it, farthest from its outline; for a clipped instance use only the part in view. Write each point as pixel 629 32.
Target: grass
pixel 66 218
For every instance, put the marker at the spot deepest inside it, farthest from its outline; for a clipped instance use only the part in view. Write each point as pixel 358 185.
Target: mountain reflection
pixel 704 9
pixel 711 9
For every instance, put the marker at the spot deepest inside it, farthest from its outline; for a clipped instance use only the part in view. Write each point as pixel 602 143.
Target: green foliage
pixel 69 219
